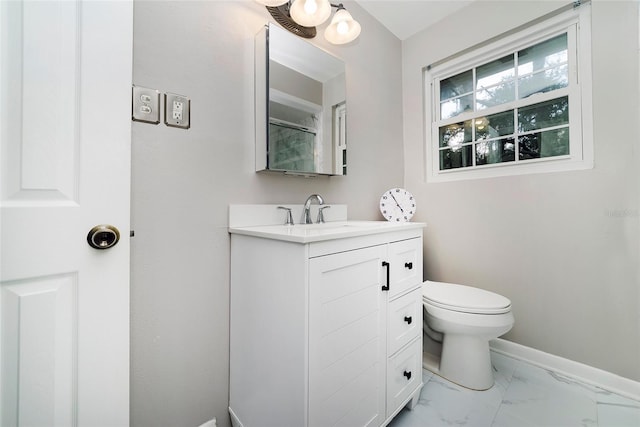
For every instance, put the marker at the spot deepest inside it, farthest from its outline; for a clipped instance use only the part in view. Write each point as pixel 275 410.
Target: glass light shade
pixel 310 13
pixel 343 28
pixel 272 3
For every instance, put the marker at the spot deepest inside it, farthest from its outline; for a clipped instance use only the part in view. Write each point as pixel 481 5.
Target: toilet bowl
pixel 459 321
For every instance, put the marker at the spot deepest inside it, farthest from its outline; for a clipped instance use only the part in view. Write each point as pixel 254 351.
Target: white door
pixel 65 74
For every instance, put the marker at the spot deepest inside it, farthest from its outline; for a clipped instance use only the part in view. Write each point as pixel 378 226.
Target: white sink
pixel 306 233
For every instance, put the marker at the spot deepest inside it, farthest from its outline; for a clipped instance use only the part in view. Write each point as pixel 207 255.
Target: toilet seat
pixel 465 299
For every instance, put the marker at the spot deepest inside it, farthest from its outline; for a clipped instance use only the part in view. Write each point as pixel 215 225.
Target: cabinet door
pixel 405 265
pixel 347 357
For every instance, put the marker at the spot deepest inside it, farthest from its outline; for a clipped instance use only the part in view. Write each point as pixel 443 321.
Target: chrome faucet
pixel 306 214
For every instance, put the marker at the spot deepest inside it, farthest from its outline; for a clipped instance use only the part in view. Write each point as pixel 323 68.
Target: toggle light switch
pixel 145 106
pixel 177 110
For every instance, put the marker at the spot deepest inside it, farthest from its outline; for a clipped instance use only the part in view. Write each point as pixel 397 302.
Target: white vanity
pixel 326 319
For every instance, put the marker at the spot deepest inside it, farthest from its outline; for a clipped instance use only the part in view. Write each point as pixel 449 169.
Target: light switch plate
pixel 177 111
pixel 145 106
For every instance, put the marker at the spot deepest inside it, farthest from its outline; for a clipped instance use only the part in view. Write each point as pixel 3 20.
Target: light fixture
pixel 301 17
pixel 343 27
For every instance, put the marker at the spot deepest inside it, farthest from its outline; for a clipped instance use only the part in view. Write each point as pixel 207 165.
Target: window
pixel 520 104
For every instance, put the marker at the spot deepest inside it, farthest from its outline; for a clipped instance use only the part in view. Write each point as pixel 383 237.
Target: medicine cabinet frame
pixel 300 106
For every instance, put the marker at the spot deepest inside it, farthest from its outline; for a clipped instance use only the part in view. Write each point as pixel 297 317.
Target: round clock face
pixel 397 205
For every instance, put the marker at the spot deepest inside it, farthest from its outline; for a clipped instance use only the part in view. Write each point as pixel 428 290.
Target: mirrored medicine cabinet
pixel 300 106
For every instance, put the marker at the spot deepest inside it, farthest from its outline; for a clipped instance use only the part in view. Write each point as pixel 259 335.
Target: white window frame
pixel 576 23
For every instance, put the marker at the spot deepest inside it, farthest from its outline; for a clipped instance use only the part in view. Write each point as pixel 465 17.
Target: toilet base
pixel 465 361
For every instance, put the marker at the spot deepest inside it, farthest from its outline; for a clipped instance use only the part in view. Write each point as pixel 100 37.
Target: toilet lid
pixel 465 299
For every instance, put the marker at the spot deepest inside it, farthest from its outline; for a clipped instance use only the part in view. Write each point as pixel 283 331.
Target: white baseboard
pixel 581 372
pixel 235 421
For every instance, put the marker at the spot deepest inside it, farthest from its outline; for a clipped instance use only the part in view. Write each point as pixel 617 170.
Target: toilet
pixel 459 321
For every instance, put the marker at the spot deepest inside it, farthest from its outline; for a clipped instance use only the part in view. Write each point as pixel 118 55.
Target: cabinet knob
pixel 408 265
pixel 408 319
pixel 407 374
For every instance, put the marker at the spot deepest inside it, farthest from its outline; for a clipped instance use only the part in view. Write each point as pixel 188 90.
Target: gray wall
pixel 562 246
pixel 184 180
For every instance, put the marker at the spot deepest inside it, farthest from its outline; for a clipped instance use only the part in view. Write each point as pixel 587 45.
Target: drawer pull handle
pixel 407 374
pixel 408 265
pixel 408 319
pixel 386 264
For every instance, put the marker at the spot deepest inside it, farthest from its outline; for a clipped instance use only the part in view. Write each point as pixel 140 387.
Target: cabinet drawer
pixel 404 375
pixel 405 265
pixel 404 320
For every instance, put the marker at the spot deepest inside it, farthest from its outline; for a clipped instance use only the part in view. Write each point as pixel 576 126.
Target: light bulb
pixel 310 13
pixel 310 6
pixel 342 28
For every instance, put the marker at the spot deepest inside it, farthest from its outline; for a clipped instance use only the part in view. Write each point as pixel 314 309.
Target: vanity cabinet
pixel 327 333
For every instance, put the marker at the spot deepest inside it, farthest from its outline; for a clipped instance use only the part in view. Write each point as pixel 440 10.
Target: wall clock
pixel 398 205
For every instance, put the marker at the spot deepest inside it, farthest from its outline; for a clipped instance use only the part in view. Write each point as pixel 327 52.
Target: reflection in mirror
pixel 300 106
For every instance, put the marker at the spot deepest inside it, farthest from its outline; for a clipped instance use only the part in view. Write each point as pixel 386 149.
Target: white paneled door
pixel 65 74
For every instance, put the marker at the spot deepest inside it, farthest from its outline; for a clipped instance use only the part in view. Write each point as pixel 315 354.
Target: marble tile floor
pixel 523 395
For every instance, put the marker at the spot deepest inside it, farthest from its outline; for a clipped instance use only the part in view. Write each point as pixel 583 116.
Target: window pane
pixel 456 158
pixel 544 144
pixel 550 53
pixel 494 82
pixel 545 114
pixel 495 95
pixel 495 72
pixel 456 106
pixel 544 81
pixel 494 125
pixel 496 151
pixel 456 85
pixel 455 134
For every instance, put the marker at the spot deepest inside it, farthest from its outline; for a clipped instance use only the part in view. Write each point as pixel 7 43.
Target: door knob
pixel 103 236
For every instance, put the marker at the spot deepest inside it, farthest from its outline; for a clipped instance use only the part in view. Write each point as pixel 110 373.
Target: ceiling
pixel 405 18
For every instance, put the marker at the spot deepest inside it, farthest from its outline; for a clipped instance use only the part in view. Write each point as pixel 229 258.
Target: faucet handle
pixel 320 214
pixel 289 220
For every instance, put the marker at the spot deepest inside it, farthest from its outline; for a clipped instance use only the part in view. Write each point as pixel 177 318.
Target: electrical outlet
pixel 145 105
pixel 177 111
